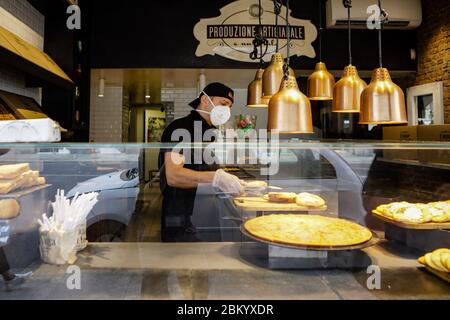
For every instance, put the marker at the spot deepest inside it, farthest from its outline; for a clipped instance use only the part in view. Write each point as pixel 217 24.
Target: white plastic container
pixel 81 237
pixel 32 130
pixel 58 248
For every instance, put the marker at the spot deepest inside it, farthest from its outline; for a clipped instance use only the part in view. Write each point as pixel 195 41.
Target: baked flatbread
pixel 9 209
pixel 283 197
pixel 12 171
pixel 256 184
pixel 27 179
pixel 416 213
pixel 438 260
pixel 309 200
pixel 308 230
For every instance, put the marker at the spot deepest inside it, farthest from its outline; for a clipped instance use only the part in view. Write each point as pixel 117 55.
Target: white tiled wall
pixel 106 115
pixel 181 98
pixel 12 80
pixel 33 33
pixel 26 13
pixel 21 18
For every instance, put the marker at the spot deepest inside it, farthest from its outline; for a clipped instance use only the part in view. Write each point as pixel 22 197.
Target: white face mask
pixel 219 114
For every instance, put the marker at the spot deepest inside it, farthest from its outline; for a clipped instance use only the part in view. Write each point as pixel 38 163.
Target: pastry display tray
pixel 443 275
pixel 413 226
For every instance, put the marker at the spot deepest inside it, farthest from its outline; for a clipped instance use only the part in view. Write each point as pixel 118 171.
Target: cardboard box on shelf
pixel 440 133
pixel 401 133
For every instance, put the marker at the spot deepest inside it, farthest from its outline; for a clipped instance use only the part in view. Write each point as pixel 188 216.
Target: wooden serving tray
pixel 261 204
pixel 413 226
pixel 443 275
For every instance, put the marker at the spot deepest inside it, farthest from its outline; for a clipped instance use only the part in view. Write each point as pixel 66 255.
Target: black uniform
pixel 179 203
pixel 4 266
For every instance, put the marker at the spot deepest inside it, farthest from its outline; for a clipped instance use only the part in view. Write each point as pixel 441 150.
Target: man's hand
pixel 228 183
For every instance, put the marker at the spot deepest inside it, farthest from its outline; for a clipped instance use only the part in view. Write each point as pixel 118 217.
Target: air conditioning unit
pixel 405 14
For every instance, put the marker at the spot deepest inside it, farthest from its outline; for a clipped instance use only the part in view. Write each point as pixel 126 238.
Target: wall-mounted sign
pixel 230 35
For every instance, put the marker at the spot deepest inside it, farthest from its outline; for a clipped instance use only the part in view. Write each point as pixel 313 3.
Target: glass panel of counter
pixel 156 219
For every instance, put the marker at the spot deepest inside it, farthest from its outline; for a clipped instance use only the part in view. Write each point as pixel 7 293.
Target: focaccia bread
pixel 256 184
pixel 27 179
pixel 283 197
pixel 9 209
pixel 309 200
pixel 416 213
pixel 308 230
pixel 6 187
pixel 13 171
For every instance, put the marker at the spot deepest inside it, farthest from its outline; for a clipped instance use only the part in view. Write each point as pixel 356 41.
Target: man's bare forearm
pixel 188 179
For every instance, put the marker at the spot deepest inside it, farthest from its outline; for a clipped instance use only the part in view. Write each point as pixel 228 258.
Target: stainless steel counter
pixel 218 271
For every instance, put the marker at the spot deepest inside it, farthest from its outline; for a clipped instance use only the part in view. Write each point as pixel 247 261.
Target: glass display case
pixel 220 258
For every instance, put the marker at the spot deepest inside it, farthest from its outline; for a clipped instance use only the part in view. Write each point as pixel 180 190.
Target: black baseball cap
pixel 215 89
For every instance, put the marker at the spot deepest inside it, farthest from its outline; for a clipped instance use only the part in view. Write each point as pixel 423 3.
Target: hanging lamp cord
pixel 288 43
pixel 320 30
pixel 348 5
pixel 259 42
pixel 277 10
pixel 384 18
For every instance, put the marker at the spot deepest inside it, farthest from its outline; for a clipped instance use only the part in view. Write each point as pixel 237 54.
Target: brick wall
pixel 402 182
pixel 433 46
pixel 21 18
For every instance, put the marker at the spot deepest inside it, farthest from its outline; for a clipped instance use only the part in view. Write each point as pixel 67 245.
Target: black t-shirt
pixel 190 129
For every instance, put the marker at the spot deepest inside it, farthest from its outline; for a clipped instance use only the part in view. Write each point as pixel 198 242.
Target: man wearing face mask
pixel 181 174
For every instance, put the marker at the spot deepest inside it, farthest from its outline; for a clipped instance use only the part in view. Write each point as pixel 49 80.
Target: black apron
pixel 178 204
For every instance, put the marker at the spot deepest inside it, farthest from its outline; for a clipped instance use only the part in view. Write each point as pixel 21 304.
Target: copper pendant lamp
pixel 289 109
pixel 273 75
pixel 254 92
pixel 320 82
pixel 347 91
pixel 382 101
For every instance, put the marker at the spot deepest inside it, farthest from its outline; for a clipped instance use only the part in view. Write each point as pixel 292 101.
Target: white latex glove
pixel 228 183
